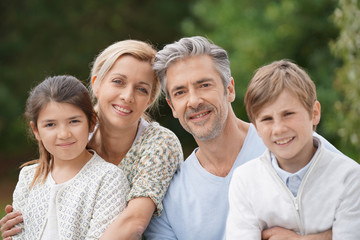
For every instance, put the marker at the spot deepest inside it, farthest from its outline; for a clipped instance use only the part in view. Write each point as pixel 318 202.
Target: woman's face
pixel 125 92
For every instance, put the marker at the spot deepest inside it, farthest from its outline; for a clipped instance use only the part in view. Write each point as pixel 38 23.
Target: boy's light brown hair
pixel 270 80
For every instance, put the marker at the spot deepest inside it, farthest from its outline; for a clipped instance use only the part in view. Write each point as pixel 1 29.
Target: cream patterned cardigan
pixel 86 204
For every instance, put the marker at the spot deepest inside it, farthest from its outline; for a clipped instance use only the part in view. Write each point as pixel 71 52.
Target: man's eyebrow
pixel 204 80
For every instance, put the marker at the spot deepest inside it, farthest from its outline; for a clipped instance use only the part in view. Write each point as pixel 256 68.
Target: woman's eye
pixel 49 124
pixel 144 90
pixel 117 81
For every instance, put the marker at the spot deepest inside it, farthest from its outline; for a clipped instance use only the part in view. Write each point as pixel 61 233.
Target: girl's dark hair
pixel 60 89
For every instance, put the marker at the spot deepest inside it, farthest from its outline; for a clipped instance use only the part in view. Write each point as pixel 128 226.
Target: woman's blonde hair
pixel 107 58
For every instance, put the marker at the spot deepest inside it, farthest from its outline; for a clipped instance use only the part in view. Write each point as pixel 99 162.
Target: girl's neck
pixel 64 170
pixel 112 144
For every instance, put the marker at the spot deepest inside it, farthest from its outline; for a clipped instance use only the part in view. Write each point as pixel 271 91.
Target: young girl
pixel 70 192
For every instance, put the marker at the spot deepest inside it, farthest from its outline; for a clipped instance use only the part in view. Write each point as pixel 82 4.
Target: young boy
pixel 296 184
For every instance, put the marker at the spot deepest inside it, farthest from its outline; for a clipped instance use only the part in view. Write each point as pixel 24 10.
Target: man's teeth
pixel 122 109
pixel 284 141
pixel 200 115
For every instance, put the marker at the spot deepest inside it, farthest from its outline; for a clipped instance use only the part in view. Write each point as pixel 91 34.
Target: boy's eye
pixel 289 113
pixel 266 119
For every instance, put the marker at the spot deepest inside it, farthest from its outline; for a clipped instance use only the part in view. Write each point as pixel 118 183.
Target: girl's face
pixel 125 92
pixel 63 129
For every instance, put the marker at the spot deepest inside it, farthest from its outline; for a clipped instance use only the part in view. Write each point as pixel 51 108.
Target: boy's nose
pixel 278 127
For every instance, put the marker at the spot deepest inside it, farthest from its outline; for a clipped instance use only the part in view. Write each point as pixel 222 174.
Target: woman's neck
pixel 113 144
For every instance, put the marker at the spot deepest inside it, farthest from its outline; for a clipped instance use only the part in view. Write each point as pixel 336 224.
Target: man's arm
pixel 278 233
pixel 160 228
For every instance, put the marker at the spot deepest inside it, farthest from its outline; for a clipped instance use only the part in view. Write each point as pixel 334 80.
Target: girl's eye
pixel 50 125
pixel 74 121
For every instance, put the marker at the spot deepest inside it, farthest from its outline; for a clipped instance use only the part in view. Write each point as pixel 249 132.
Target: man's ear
pixel 316 113
pixel 231 90
pixel 35 131
pixel 172 107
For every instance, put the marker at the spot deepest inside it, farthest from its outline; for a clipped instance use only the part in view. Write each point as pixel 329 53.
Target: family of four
pixel 296 186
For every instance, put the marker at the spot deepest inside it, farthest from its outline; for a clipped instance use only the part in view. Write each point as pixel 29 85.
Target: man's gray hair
pixel 187 47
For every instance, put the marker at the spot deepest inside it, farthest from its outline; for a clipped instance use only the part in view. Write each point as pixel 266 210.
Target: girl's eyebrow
pixel 70 118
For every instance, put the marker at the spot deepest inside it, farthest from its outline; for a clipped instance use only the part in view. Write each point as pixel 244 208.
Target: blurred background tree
pixel 347 48
pixel 41 38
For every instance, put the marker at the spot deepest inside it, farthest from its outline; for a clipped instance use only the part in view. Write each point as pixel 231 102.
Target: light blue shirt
pixel 196 203
pixel 292 180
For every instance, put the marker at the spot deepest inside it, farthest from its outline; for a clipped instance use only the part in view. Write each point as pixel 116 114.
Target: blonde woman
pixel 124 87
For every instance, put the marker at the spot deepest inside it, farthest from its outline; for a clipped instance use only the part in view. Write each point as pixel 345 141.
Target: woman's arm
pixel 9 221
pixel 132 222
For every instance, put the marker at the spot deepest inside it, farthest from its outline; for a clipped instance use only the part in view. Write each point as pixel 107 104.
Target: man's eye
pixel 178 93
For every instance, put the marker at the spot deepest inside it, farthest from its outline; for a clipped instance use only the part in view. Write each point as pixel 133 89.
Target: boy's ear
pixel 35 131
pixel 172 107
pixel 231 90
pixel 316 113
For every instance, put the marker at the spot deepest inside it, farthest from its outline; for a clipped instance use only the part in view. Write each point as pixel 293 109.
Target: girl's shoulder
pixel 29 170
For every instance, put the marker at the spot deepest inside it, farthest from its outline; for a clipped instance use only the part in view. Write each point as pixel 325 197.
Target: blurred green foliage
pixel 41 38
pixel 256 33
pixel 347 48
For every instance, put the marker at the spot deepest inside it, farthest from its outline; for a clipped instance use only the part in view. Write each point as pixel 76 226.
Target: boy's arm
pixel 242 222
pixel 347 216
pixel 278 233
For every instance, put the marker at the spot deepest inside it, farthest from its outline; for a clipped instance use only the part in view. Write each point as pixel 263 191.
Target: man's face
pixel 197 96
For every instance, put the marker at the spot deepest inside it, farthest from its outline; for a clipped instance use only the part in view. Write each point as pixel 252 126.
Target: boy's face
pixel 286 128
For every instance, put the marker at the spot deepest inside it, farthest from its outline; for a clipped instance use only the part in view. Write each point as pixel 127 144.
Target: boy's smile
pixel 286 128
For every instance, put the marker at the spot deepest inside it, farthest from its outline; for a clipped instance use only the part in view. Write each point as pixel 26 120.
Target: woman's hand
pixel 8 223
